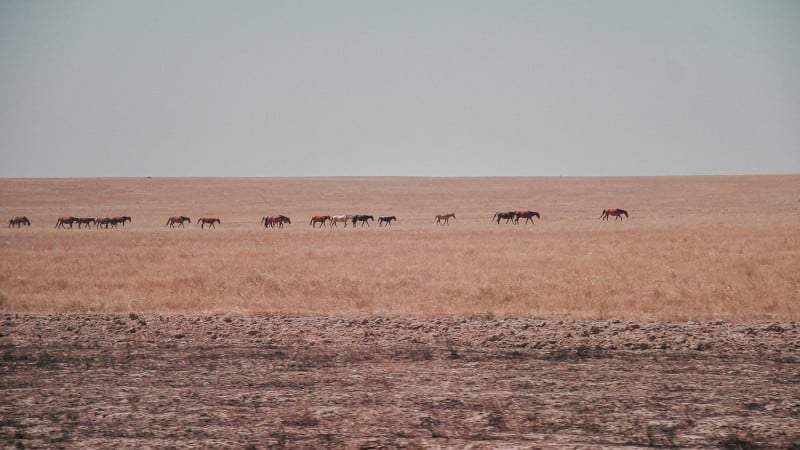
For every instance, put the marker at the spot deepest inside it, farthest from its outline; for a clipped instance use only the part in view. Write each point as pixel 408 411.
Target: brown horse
pixel 107 222
pixel 527 215
pixel 278 221
pixel 444 219
pixel 177 219
pixel 18 222
pixel 616 212
pixel 319 219
pixel 210 221
pixel 64 221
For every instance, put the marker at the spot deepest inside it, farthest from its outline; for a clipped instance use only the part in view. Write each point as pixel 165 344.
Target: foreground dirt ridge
pixel 132 381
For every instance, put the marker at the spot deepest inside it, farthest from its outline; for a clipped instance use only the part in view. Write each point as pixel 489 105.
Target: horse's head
pixel 622 211
pixel 287 220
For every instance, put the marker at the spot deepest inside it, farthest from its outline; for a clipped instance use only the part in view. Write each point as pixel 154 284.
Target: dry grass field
pixel 694 248
pixel 674 328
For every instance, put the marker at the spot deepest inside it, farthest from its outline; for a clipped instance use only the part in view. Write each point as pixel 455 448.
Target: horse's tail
pixel 602 214
pixel 494 216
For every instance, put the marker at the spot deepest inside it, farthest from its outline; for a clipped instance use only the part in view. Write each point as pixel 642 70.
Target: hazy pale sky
pixel 432 88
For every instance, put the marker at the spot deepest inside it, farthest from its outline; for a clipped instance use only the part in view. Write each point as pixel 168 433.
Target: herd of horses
pixel 280 220
pixel 69 221
pixel 364 219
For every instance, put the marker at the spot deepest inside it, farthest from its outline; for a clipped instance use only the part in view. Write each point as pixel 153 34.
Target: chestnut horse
pixel 18 222
pixel 509 216
pixel 364 219
pixel 319 219
pixel 616 212
pixel 336 219
pixel 527 215
pixel 444 219
pixel 64 221
pixel 387 219
pixel 177 219
pixel 210 221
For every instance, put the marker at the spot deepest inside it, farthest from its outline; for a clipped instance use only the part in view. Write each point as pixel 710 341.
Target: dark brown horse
pixel 364 219
pixel 616 212
pixel 508 216
pixel 276 221
pixel 319 219
pixel 88 221
pixel 444 219
pixel 210 221
pixel 64 221
pixel 527 215
pixel 387 219
pixel 106 222
pixel 177 219
pixel 122 219
pixel 18 222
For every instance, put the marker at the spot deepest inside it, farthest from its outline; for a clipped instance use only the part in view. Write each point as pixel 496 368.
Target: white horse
pixel 345 219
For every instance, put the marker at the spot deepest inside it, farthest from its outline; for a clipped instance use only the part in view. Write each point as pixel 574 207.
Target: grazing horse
pixel 64 221
pixel 210 221
pixel 277 221
pixel 88 221
pixel 177 219
pixel 444 219
pixel 527 215
pixel 364 219
pixel 18 222
pixel 336 219
pixel 319 219
pixel 387 219
pixel 122 219
pixel 616 212
pixel 503 215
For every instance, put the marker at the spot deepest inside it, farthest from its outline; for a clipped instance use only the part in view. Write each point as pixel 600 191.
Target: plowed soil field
pixel 149 381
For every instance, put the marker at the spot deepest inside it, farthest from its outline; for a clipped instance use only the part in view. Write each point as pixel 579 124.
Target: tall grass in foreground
pixel 727 274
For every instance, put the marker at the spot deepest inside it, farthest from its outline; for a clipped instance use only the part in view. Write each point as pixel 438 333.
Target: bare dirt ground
pixel 154 381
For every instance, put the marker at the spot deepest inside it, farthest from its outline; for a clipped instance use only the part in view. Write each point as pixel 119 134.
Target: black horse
pixel 387 219
pixel 509 216
pixel 88 221
pixel 363 219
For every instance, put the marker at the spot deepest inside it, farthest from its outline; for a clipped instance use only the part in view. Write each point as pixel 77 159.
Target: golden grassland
pixel 694 248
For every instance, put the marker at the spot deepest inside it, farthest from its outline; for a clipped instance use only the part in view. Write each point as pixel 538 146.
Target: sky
pixel 185 88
